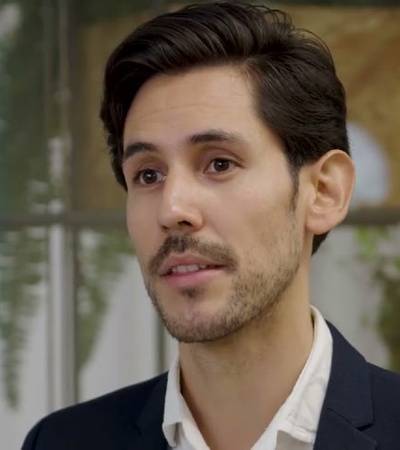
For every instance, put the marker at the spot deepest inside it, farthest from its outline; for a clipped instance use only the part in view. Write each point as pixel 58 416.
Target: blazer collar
pixel 146 429
pixel 348 403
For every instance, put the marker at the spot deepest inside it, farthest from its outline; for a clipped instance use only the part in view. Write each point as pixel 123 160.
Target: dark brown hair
pixel 298 94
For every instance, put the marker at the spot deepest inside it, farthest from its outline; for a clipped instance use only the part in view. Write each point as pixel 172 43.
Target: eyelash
pixel 136 178
pixel 225 160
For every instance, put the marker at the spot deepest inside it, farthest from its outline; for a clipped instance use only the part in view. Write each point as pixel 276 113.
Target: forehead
pixel 204 98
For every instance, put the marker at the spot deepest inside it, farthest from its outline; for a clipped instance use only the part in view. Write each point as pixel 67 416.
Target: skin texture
pixel 259 242
pixel 208 183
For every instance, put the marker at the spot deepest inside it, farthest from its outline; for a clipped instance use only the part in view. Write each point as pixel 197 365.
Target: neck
pixel 240 382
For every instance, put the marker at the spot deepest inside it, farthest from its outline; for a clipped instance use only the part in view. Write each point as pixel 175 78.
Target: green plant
pixel 380 252
pixel 23 186
pixel 30 106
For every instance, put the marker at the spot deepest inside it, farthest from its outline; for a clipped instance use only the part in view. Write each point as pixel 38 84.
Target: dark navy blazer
pixel 361 411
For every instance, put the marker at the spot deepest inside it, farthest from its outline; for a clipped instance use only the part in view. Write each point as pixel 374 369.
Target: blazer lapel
pixel 335 432
pixel 150 439
pixel 348 404
pixel 147 432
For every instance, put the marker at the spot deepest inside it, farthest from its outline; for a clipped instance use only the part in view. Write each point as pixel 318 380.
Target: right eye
pixel 148 177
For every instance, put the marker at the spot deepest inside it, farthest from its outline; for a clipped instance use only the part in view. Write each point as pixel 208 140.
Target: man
pixel 227 128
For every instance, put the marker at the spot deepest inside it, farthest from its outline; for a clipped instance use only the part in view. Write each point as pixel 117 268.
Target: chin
pixel 199 326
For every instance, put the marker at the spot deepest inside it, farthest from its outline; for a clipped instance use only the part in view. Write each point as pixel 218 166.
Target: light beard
pixel 253 295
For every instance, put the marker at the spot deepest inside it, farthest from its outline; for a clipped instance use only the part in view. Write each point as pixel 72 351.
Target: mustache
pixel 219 254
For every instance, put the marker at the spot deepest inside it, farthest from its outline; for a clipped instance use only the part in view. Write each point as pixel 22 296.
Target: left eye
pixel 148 177
pixel 220 165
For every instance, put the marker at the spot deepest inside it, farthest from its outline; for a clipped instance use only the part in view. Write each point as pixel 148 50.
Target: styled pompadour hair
pixel 298 94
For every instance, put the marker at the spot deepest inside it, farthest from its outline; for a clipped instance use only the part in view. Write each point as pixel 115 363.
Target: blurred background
pixel 75 321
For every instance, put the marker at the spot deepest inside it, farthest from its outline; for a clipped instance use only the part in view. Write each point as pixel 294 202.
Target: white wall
pixel 14 424
pixel 126 351
pixel 342 288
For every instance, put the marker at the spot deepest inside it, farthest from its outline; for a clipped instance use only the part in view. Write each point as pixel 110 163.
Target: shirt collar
pixel 299 420
pixel 173 412
pixel 304 405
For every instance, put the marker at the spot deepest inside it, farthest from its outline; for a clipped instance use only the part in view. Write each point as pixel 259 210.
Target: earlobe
pixel 332 178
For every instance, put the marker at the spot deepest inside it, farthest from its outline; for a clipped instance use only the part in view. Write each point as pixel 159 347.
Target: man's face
pixel 210 205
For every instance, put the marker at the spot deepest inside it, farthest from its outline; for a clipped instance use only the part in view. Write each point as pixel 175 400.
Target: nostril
pixel 185 223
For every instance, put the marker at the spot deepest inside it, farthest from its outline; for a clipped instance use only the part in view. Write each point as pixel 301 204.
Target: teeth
pixel 188 268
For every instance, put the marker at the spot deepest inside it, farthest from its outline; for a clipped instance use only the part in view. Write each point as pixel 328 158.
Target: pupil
pixel 150 177
pixel 221 165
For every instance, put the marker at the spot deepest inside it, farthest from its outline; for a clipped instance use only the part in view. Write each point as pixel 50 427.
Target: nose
pixel 180 210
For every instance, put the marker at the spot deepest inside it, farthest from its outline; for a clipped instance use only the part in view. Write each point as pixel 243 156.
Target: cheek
pixel 131 221
pixel 139 229
pixel 143 230
pixel 141 241
pixel 255 225
pixel 238 221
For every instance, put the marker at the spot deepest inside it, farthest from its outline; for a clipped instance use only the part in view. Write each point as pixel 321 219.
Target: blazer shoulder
pixel 109 414
pixel 132 397
pixel 385 396
pixel 385 387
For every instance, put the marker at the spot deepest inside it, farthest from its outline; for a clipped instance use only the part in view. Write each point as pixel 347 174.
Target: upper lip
pixel 185 260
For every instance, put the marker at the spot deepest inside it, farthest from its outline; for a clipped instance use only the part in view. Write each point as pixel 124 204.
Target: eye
pixel 148 177
pixel 219 165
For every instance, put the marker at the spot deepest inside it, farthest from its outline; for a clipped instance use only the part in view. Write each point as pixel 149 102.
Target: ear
pixel 332 181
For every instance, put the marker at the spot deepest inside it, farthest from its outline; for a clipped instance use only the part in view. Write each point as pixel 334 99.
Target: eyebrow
pixel 215 135
pixel 208 136
pixel 137 147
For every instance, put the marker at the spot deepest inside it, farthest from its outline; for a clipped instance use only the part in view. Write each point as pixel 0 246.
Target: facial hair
pixel 254 292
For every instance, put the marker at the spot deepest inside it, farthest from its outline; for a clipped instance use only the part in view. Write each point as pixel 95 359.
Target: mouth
pixel 184 269
pixel 186 276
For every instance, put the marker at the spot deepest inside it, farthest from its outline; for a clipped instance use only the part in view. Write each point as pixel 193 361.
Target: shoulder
pixel 350 369
pixel 385 386
pixel 132 397
pixel 107 415
pixel 385 397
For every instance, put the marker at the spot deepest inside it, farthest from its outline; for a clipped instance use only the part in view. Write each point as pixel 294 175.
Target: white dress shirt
pixel 294 426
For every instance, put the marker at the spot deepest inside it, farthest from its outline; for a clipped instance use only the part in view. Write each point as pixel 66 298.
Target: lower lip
pixel 192 279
